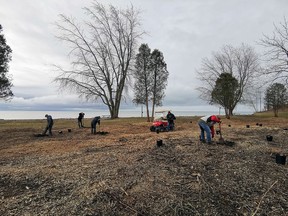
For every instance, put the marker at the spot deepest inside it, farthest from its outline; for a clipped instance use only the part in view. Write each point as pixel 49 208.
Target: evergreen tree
pixel 276 97
pixel 5 57
pixel 150 78
pixel 226 92
pixel 159 78
pixel 143 78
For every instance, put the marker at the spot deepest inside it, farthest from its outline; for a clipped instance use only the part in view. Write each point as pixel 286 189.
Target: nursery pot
pixel 280 159
pixel 69 130
pixel 247 126
pixel 260 125
pixel 269 138
pixel 159 143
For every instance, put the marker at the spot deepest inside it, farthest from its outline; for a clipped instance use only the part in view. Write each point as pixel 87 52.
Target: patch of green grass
pixel 268 114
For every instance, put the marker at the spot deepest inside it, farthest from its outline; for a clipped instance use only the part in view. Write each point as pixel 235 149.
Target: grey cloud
pixel 185 31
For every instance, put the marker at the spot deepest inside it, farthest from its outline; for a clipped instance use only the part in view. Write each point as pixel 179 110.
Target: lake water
pixel 194 111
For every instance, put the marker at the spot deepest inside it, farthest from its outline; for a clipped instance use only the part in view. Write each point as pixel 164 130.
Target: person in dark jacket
pixel 94 122
pixel 49 125
pixel 80 120
pixel 206 124
pixel 170 118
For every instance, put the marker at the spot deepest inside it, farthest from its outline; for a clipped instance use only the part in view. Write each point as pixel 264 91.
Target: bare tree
pixel 102 53
pixel 276 53
pixel 241 62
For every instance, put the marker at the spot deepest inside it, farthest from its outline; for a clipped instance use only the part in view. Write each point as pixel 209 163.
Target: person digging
pixel 49 125
pixel 94 122
pixel 80 120
pixel 206 124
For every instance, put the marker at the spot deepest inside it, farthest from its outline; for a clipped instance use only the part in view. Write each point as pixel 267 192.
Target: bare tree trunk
pixel 227 113
pixel 147 108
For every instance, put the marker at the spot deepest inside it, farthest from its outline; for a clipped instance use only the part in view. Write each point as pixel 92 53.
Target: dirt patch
pixel 125 172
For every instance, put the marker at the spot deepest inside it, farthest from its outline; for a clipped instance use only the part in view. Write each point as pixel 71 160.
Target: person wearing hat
pixel 49 125
pixel 94 122
pixel 206 124
pixel 80 118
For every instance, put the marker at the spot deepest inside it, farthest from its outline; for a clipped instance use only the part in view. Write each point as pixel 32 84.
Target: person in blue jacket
pixel 49 125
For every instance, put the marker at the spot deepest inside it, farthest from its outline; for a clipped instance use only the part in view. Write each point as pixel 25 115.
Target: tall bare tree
pixel 102 53
pixel 241 62
pixel 276 53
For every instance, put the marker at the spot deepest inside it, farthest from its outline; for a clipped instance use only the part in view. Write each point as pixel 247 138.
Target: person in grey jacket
pixel 95 121
pixel 49 125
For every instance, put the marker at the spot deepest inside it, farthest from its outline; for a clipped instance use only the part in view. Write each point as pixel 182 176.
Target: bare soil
pixel 124 172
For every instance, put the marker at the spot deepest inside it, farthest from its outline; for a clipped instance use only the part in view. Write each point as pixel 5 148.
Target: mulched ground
pixel 124 172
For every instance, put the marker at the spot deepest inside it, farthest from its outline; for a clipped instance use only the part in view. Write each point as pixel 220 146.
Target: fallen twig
pixel 258 206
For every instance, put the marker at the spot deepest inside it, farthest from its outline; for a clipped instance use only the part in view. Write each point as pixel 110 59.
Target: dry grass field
pixel 125 173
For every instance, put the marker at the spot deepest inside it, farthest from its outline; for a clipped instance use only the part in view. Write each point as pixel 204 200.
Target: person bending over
pixel 94 122
pixel 49 125
pixel 206 124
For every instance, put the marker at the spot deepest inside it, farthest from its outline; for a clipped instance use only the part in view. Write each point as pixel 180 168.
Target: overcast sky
pixel 186 31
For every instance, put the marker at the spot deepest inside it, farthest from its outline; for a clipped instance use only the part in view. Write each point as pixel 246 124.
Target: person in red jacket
pixel 206 124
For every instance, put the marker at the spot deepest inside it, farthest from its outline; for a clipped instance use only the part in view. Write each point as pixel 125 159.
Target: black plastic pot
pixel 269 138
pixel 280 159
pixel 260 125
pixel 159 143
pixel 229 125
pixel 247 126
pixel 69 130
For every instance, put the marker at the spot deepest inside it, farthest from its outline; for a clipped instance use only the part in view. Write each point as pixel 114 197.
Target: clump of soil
pixel 125 172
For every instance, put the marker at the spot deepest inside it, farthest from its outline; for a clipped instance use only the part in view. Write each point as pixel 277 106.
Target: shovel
pixel 221 139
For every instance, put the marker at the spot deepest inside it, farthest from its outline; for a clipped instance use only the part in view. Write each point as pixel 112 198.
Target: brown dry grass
pixel 125 173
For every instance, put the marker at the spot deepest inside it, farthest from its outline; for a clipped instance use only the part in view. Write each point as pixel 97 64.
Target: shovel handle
pixel 220 129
